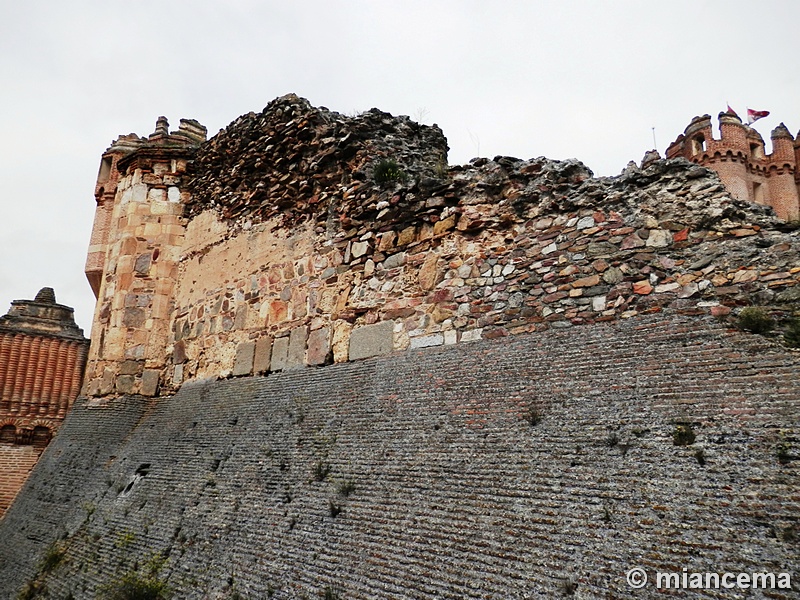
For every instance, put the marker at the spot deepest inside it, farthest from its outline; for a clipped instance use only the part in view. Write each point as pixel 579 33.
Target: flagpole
pixel 655 146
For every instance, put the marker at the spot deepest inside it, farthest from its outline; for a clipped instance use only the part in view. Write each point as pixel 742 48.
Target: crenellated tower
pixel 739 157
pixel 133 253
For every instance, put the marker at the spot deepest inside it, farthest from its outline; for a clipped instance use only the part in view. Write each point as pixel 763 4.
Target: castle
pixel 324 363
pixel 738 157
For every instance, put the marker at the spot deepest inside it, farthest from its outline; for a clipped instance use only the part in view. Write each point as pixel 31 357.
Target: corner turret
pixel 740 159
pixel 139 223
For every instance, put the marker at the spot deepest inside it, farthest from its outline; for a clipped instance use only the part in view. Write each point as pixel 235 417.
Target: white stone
pixel 437 339
pixel 450 337
pixel 667 287
pixel 173 194
pixel 659 238
pixel 359 249
pixel 599 303
pixel 464 271
pixel 507 270
pixel 585 223
pixel 550 248
pixel 471 335
pixel 139 192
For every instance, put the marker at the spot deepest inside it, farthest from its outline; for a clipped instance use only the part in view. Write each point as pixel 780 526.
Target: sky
pixel 562 79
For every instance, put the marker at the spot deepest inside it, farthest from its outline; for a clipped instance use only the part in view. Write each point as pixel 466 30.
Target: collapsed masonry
pixel 299 236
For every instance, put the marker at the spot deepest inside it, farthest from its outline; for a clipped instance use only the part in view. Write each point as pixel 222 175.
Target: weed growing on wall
pixel 755 320
pixel 321 471
pixel 387 171
pixel 683 435
pixel 792 334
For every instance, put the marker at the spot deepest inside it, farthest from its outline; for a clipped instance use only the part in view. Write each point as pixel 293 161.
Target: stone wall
pixel 535 465
pixel 281 245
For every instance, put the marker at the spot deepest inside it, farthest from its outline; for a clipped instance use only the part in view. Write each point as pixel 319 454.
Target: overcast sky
pixel 563 78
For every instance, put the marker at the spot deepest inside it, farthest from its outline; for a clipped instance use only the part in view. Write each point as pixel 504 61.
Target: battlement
pixel 163 151
pixel 740 159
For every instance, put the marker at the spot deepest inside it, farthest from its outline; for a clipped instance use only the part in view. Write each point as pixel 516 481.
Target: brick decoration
pixel 42 358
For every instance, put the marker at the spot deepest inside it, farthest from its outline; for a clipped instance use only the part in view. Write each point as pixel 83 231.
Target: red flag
pixel 755 115
pixel 731 111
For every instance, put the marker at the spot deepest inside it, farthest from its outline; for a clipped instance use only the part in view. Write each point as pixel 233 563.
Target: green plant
pixel 792 334
pixel 321 471
pixel 532 416
pixel 33 589
pixel 386 171
pixel 755 320
pixel 441 168
pixel 53 556
pixel 700 456
pixel 124 539
pixel 133 586
pixel 334 509
pixel 612 440
pixel 568 587
pixel 330 593
pixel 782 451
pixel 683 435
pixel 346 488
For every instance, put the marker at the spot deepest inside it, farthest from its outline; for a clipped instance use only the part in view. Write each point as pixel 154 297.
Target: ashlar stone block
pixel 280 354
pixel 296 357
pixel 319 346
pixel 372 340
pixel 263 355
pixel 243 361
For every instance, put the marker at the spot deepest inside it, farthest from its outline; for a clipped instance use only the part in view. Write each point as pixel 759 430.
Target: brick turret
pixel 740 160
pixel 42 357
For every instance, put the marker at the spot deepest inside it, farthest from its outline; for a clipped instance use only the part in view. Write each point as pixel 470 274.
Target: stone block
pixel 263 355
pixel 341 340
pixel 424 341
pixel 319 346
pixel 124 384
pixel 243 361
pixel 372 340
pixel 471 335
pixel 106 385
pixel 131 367
pixel 150 379
pixel 296 356
pixel 280 354
pixel 177 375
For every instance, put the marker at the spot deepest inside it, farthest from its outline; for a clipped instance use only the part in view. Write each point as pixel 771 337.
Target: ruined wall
pixel 738 156
pixel 42 357
pixel 299 236
pixel 508 468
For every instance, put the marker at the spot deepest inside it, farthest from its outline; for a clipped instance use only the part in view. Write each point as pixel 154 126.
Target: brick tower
pixel 42 357
pixel 740 160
